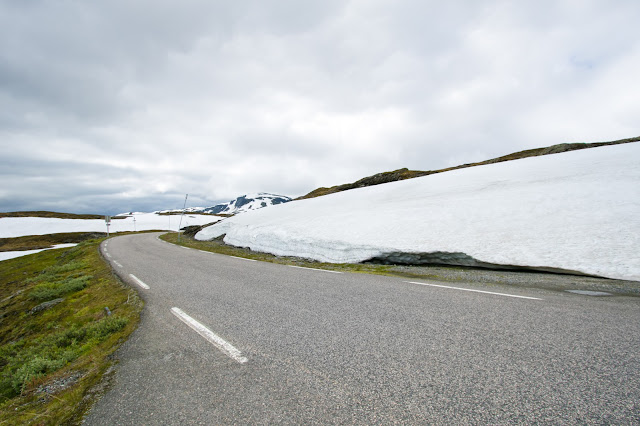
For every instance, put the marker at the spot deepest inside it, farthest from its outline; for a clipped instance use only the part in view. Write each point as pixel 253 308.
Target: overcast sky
pixel 108 106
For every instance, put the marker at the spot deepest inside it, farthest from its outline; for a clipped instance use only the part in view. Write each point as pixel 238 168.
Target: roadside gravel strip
pixel 523 279
pixel 227 341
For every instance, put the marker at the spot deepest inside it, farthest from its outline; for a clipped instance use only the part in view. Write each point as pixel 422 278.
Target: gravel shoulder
pixel 544 280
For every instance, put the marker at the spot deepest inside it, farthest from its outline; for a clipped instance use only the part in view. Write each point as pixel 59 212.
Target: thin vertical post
pixel 183 209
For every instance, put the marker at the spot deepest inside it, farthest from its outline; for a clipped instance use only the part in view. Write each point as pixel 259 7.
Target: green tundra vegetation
pixel 62 314
pixel 34 242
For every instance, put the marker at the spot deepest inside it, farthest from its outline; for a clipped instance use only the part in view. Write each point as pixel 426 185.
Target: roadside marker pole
pixel 107 220
pixel 183 208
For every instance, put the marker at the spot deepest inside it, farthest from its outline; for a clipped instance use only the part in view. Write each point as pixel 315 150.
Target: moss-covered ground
pixel 62 314
pixel 33 242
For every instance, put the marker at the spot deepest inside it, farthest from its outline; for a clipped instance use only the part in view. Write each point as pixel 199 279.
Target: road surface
pixel 225 340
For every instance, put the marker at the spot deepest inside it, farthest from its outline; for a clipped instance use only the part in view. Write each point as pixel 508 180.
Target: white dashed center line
pixel 475 291
pixel 139 282
pixel 217 341
pixel 314 269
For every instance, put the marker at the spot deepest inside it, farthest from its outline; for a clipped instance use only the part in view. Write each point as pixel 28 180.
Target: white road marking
pixel 186 248
pixel 117 264
pixel 244 258
pixel 217 341
pixel 139 282
pixel 107 254
pixel 314 269
pixel 475 291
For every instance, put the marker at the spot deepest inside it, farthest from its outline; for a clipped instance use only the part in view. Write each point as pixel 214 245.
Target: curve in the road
pixel 319 347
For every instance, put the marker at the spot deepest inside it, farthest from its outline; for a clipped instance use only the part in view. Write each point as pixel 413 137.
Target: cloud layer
pixel 110 106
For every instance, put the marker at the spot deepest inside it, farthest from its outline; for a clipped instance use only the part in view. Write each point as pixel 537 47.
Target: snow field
pixel 578 211
pixel 19 226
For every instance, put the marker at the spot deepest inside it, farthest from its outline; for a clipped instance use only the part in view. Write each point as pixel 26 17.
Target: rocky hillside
pixel 402 174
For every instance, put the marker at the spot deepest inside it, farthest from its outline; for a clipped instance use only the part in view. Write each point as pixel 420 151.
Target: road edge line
pixel 475 291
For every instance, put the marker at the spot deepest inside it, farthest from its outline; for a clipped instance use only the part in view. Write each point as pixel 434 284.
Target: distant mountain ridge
pixel 402 174
pixel 247 202
pixel 241 204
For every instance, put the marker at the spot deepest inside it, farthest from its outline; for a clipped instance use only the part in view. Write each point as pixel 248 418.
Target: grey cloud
pixel 109 104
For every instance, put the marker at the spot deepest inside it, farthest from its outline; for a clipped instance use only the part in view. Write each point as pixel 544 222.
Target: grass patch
pixel 34 242
pixel 53 356
pixel 24 364
pixel 53 290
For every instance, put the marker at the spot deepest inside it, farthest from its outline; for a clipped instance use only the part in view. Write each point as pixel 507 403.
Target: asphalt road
pixel 316 347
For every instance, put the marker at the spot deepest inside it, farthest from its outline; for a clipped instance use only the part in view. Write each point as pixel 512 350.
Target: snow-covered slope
pixel 19 226
pixel 577 211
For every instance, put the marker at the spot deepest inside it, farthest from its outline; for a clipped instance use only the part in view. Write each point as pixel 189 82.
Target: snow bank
pixel 576 211
pixel 19 226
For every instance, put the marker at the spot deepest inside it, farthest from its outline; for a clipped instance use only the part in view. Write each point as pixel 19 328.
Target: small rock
pixel 60 384
pixel 45 305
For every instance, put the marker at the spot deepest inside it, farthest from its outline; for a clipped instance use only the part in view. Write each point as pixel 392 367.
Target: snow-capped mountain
pixel 247 202
pixel 241 204
pixel 575 211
